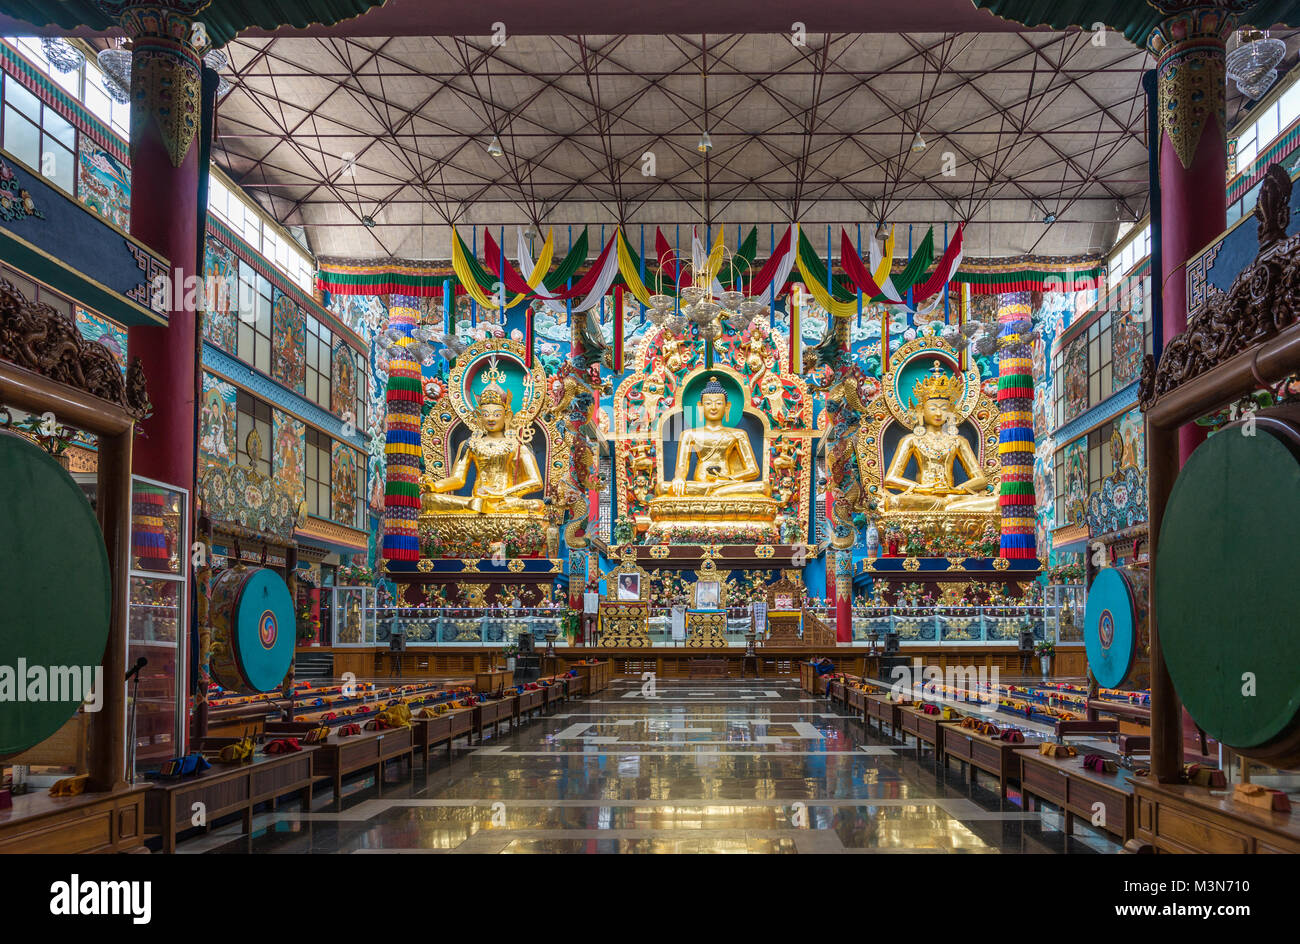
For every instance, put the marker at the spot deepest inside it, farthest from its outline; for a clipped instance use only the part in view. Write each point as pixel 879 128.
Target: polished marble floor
pixel 693 766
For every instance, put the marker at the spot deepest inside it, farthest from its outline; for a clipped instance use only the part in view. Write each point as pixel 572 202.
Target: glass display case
pixel 1069 601
pixel 953 624
pixel 352 616
pixel 157 623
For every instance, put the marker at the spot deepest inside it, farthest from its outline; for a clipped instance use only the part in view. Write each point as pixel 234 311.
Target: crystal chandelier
pixel 1252 64
pixel 115 63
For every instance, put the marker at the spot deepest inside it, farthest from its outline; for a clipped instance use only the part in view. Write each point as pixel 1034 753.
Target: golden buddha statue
pixel 724 459
pixel 936 446
pixel 726 491
pixel 504 465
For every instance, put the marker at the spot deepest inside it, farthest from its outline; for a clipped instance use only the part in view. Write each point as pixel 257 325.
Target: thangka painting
pixel 343 485
pixel 288 454
pixel 95 328
pixel 221 294
pixel 1075 459
pixel 216 423
pixel 1132 436
pixel 288 342
pixel 1128 348
pixel 103 184
pixel 1121 502
pixel 1075 370
pixel 343 393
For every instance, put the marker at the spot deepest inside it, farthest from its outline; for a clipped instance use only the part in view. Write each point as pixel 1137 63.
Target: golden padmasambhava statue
pixel 505 469
pixel 724 459
pixel 936 446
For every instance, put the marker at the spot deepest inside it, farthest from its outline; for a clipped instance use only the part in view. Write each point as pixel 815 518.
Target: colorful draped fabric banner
pixel 776 271
pixel 629 269
pixel 944 271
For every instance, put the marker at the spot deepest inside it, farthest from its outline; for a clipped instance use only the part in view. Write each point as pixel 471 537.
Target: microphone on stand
pixel 140 663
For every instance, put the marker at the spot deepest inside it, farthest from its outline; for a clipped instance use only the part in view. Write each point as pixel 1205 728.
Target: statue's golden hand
pixel 679 487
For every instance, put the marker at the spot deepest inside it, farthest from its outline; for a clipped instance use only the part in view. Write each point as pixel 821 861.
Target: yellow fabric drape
pixel 713 265
pixel 886 261
pixel 822 296
pixel 626 268
pixel 460 266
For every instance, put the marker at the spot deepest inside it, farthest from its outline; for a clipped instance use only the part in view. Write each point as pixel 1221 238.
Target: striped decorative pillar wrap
pixel 1016 434
pixel 402 443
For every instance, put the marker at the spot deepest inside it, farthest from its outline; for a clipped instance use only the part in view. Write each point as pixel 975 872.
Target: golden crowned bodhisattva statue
pixel 936 446
pixel 504 466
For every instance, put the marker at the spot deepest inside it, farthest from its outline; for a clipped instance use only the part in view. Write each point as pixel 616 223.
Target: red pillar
pixel 1193 156
pixel 843 564
pixel 166 91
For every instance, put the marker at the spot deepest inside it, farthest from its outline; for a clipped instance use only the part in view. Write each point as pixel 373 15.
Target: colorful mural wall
pixel 343 392
pixel 103 183
pixel 368 314
pixel 288 453
pixel 1121 501
pixel 343 485
pixel 95 328
pixel 288 342
pixel 221 294
pixel 216 424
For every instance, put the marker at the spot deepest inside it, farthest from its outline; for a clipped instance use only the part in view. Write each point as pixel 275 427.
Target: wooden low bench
pixel 983 752
pixel 531 700
pixel 493 713
pixel 556 694
pixel 1182 818
pixel 338 757
pixel 428 733
pixel 1071 728
pixel 1066 783
pixel 227 788
pixel 112 821
pixel 884 711
pixel 924 727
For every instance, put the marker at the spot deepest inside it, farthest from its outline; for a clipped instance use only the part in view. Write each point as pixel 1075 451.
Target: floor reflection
pixel 707 766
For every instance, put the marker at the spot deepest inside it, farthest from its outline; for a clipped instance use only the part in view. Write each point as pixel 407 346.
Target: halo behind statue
pixel 496 367
pixel 913 363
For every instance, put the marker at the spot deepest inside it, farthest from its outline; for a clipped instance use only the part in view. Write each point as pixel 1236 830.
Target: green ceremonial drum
pixel 55 595
pixel 253 629
pixel 1115 629
pixel 1228 587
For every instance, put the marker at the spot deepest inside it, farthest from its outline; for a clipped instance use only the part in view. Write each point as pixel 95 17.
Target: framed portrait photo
pixel 629 588
pixel 707 594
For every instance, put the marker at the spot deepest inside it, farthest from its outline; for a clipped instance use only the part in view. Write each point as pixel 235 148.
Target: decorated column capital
pixel 167 46
pixel 1190 47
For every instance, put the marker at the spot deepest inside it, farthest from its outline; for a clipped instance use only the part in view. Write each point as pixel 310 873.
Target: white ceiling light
pixel 1252 63
pixel 494 147
pixel 705 144
pixel 918 144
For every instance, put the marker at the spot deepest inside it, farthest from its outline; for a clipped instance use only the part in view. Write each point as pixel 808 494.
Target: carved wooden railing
pixel 1264 298
pixel 47 341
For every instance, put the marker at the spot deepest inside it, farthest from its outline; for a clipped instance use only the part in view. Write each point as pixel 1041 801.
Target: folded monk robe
pixel 69 786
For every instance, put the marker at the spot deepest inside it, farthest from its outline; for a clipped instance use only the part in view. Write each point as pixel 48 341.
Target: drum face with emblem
pixel 253 629
pixel 1115 629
